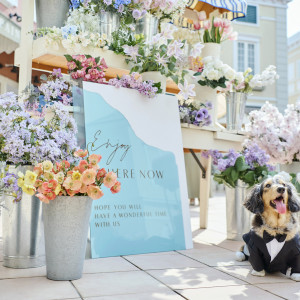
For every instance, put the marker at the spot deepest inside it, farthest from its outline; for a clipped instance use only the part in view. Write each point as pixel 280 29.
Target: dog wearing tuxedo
pixel 273 243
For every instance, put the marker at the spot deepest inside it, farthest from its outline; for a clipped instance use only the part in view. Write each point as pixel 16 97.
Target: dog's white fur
pixel 295 276
pixel 261 273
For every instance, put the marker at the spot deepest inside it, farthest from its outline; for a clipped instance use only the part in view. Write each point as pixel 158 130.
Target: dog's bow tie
pixel 268 238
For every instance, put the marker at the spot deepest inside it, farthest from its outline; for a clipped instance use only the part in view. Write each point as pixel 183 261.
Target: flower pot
pixel 294 167
pixel 235 110
pixel 238 218
pixel 211 49
pixel 22 226
pixel 66 223
pixel 156 77
pixel 109 23
pixel 51 13
pixel 148 26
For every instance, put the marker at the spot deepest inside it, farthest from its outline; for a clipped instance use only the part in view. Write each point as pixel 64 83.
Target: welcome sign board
pixel 140 140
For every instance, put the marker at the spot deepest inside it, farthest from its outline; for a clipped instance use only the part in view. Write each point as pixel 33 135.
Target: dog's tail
pixel 243 254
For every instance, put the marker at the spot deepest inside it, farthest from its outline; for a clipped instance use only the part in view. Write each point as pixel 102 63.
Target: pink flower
pixel 89 62
pixel 38 169
pixel 73 185
pixel 218 22
pixel 110 179
pixel 81 153
pixel 80 58
pixel 94 159
pixel 65 164
pixel 197 26
pixel 116 187
pixel 101 173
pixel 88 176
pixel 43 198
pixel 233 36
pixel 83 188
pixel 206 24
pixel 201 15
pixel 94 192
pixel 71 65
pixel 83 165
pixel 103 63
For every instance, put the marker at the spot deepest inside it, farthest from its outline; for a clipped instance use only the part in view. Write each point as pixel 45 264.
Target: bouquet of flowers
pixel 198 116
pixel 135 81
pixel 162 54
pixel 53 88
pixel 86 67
pixel 250 166
pixel 85 178
pixel 277 134
pixel 26 140
pixel 246 82
pixel 214 73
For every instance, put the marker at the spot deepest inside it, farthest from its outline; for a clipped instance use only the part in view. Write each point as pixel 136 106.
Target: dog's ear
pixel 293 199
pixel 254 201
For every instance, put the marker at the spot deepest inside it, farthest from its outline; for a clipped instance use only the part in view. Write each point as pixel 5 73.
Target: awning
pixel 231 9
pixel 10 35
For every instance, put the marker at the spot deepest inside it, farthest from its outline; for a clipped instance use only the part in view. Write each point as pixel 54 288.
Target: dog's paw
pixel 240 256
pixel 261 273
pixel 295 276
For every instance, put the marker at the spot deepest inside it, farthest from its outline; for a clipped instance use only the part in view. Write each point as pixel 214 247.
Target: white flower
pixel 230 74
pixel 239 77
pixel 186 90
pixel 284 175
pixel 213 74
pixel 196 50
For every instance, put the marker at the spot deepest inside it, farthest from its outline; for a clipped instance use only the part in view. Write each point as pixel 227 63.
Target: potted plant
pixel 239 171
pixel 25 140
pixel 67 191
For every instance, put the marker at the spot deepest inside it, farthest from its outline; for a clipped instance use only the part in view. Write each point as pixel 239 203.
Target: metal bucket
pixel 66 222
pixel 51 13
pixel 109 23
pixel 238 218
pixel 148 26
pixel 22 229
pixel 235 110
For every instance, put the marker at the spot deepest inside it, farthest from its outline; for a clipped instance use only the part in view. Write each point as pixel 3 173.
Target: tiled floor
pixel 209 271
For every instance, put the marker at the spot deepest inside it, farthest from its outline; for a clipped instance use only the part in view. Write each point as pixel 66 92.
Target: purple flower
pixel 136 14
pixel 208 105
pixel 199 116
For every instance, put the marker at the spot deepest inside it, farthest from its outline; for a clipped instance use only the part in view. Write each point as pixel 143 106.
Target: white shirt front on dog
pixel 274 248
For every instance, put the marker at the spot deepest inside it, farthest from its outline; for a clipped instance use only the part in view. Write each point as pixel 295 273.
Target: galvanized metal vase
pixel 109 23
pixel 235 110
pixel 66 223
pixel 238 218
pixel 51 13
pixel 22 227
pixel 148 26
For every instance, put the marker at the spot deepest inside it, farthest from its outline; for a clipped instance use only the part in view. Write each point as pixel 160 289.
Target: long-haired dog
pixel 273 243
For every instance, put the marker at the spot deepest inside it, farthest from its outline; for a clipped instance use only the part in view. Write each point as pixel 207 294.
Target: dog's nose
pixel 281 190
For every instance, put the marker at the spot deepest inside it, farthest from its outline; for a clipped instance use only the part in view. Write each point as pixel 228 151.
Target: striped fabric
pixel 233 9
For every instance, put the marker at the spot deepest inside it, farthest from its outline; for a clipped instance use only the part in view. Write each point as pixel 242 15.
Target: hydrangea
pixel 25 139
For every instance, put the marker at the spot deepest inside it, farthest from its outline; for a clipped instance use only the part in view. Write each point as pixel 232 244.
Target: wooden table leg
pixel 204 191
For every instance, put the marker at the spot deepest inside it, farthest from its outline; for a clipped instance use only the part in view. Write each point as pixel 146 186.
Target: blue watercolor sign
pixel 146 216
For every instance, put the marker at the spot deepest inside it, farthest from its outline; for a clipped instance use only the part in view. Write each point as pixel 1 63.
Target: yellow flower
pixel 57 190
pixel 30 177
pixel 49 176
pixel 76 175
pixel 60 177
pixel 47 165
pixel 20 182
pixel 28 189
pixel 21 175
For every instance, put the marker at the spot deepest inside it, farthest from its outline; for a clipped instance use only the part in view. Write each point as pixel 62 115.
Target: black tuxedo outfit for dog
pixel 260 259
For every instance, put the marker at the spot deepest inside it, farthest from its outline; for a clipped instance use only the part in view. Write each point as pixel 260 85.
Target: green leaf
pixel 68 57
pixel 240 164
pixel 250 177
pixel 234 175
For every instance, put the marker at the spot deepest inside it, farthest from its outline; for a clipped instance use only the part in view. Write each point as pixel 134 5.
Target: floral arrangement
pixel 191 114
pixel 162 54
pixel 216 31
pixel 246 82
pixel 86 67
pixel 165 9
pixel 26 140
pixel 135 81
pixel 250 166
pixel 53 88
pixel 9 186
pixel 277 134
pixel 85 178
pixel 214 73
pixel 71 38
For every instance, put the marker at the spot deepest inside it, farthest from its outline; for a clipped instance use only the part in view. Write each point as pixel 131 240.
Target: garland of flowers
pixel 134 81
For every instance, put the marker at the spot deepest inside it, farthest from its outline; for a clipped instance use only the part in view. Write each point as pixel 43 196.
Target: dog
pixel 273 242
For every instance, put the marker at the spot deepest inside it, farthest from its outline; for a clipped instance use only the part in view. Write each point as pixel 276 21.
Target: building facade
pixel 262 41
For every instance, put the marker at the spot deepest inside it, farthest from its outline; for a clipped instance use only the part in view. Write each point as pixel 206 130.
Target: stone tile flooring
pixel 209 271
